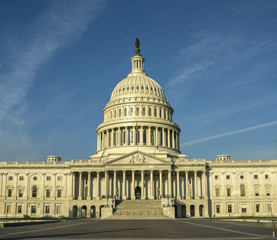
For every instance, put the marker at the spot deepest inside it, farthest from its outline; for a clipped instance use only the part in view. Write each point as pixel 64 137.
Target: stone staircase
pixel 139 209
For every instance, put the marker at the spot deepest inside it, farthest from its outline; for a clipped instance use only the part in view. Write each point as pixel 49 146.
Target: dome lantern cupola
pixel 137 60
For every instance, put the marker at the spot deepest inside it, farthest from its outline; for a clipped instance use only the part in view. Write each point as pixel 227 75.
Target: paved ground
pixel 139 229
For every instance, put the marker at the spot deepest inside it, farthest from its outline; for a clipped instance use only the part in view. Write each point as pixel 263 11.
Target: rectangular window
pixel 58 209
pixel 59 193
pixel 48 193
pixel 268 207
pixel 33 209
pixel 267 191
pixel 19 209
pixel 217 208
pixel 227 176
pixel 228 192
pixel 216 177
pixel 9 208
pixel 10 178
pixel 60 178
pixel 266 176
pixel 243 208
pixel 20 192
pixel 255 176
pixel 9 192
pixel 48 178
pixel 217 192
pixel 21 178
pixel 47 209
pixel 229 208
pixel 258 207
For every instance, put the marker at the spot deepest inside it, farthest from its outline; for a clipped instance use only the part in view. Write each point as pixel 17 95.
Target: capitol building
pixel 138 170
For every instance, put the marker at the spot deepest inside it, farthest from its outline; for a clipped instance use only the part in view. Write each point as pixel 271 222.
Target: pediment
pixel 138 158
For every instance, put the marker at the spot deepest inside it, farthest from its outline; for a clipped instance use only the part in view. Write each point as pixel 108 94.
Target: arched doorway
pixel 201 210
pixel 138 192
pixel 74 211
pixel 183 211
pixel 192 210
pixel 84 211
pixel 92 212
pixel 100 210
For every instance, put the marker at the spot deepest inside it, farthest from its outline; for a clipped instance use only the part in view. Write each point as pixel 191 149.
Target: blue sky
pixel 60 60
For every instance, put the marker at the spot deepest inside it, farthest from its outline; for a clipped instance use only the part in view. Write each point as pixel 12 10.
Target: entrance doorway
pixel 138 192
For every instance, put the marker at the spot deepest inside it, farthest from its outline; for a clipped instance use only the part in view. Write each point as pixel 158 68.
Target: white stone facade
pixel 138 157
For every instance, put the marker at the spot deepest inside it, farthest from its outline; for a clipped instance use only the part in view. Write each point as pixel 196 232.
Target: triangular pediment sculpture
pixel 138 158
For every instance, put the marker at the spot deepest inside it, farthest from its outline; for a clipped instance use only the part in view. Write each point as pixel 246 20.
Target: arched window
pixel 131 111
pixel 125 112
pixel 143 111
pixel 137 111
pixel 149 111
pixel 242 190
pixel 114 114
pixel 34 191
pixel 155 112
pixel 160 113
pixel 119 113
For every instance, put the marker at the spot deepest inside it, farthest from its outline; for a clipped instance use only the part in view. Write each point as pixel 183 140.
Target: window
pixel 241 177
pixel 47 209
pixel 9 192
pixel 33 209
pixel 58 209
pixel 217 192
pixel 216 177
pixel 60 178
pixel 59 193
pixel 243 209
pixel 267 191
pixel 228 192
pixel 10 178
pixel 8 209
pixel 21 178
pixel 48 193
pixel 242 190
pixel 266 176
pixel 19 209
pixel 258 207
pixel 217 208
pixel 144 136
pixel 149 111
pixel 255 176
pixel 143 111
pixel 34 191
pixel 257 190
pixel 227 176
pixel 48 178
pixel 35 178
pixel 229 208
pixel 20 192
pixel 268 207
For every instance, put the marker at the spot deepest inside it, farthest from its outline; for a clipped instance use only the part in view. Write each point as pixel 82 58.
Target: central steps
pixel 139 209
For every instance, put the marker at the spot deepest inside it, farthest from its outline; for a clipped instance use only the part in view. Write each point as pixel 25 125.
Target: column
pixel 80 186
pixel 124 185
pixel 149 136
pixel 1 185
pixel 163 130
pixel 54 187
pixel 98 185
pixel 161 183
pixel 133 185
pixel 73 185
pixel 204 185
pixel 142 185
pixel 27 185
pixel 126 136
pixel 178 184
pixel 134 135
pixel 169 184
pixel 195 185
pixel 168 137
pixel 107 183
pixel 156 142
pixel 114 183
pixel 151 185
pixel 172 139
pixel 89 187
pixel 43 185
pixel 16 185
pixel 187 184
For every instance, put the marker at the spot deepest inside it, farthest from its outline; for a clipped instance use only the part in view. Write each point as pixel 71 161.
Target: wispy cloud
pixel 229 133
pixel 61 23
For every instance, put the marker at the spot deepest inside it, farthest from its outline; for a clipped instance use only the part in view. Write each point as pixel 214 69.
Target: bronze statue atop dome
pixel 137 43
